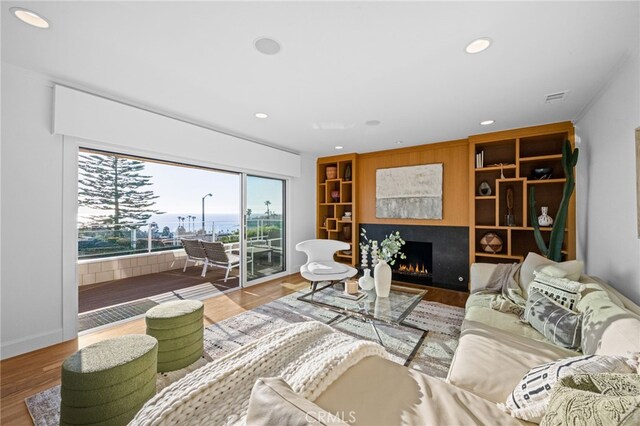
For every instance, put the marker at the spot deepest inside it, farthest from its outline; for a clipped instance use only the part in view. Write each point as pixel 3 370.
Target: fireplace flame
pixel 413 269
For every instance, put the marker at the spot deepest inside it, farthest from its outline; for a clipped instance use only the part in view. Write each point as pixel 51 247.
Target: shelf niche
pixel 519 151
pixel 330 216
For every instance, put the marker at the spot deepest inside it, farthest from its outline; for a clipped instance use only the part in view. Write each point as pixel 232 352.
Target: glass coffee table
pixel 371 309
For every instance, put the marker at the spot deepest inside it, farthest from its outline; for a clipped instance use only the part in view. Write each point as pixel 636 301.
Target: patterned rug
pixel 430 351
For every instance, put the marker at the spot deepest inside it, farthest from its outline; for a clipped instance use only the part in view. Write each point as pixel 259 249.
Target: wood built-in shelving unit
pixel 329 216
pixel 519 151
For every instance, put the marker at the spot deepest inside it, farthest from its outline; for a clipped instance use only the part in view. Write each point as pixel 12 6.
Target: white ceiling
pixel 341 64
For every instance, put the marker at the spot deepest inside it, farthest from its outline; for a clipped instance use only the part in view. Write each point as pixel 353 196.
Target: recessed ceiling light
pixel 339 147
pixel 261 115
pixel 372 122
pixel 399 142
pixel 267 46
pixel 487 122
pixel 478 45
pixel 29 17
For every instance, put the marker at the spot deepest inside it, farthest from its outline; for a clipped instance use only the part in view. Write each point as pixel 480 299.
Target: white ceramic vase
pixel 544 219
pixel 382 278
pixel 366 281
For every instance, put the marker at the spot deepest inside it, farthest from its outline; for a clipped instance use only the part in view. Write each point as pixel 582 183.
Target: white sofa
pixel 495 351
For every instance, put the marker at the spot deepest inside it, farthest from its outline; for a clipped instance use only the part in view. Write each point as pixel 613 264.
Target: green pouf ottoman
pixel 108 382
pixel 179 329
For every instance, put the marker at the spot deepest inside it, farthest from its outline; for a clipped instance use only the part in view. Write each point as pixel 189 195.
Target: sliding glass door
pixel 264 227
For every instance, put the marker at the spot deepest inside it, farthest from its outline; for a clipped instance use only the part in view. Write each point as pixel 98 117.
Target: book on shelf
pixel 480 160
pixel 346 218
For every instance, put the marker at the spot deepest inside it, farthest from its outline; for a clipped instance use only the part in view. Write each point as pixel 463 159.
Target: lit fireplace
pixel 416 268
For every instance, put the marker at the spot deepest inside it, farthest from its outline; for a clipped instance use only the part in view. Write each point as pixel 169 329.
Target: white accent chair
pixel 322 252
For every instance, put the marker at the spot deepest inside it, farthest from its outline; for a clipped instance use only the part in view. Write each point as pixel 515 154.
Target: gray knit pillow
pixel 557 323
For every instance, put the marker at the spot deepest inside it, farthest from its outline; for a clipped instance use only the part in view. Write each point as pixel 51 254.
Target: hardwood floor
pixel 28 374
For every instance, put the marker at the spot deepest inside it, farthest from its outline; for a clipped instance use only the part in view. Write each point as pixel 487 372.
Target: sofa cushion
pixel 607 329
pixel 273 402
pixel 503 321
pixel 558 324
pixel 529 398
pixel 489 361
pixel 480 274
pixel 377 391
pixel 617 297
pixel 533 261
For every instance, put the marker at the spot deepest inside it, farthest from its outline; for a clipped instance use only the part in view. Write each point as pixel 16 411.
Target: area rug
pixel 429 351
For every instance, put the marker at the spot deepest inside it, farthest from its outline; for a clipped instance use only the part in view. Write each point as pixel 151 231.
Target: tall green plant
pixel 554 251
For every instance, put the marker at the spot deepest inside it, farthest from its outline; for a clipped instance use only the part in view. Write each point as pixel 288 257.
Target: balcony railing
pixel 135 238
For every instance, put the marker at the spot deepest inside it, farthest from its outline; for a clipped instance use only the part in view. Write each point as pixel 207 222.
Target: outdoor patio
pixel 115 292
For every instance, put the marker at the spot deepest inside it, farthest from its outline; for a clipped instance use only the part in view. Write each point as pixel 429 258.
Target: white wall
pixel 303 199
pixel 31 279
pixel 607 230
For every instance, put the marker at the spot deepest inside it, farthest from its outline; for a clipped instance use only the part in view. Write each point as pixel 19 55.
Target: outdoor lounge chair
pixel 217 256
pixel 195 252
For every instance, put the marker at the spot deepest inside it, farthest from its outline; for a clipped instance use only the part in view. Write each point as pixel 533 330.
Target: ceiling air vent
pixel 555 97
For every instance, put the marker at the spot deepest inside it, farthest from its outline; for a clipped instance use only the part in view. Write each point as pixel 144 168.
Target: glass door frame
pixel 286 231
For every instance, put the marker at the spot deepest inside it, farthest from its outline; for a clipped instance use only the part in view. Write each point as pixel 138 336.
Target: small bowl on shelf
pixel 541 173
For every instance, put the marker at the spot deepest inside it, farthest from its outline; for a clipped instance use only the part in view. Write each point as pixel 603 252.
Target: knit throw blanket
pixel 504 286
pixel 309 356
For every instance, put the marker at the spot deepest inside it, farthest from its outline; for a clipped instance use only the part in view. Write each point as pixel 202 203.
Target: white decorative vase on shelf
pixel 382 278
pixel 544 219
pixel 366 281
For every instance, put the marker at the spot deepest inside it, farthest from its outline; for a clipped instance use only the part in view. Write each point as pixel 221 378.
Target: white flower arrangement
pixel 388 250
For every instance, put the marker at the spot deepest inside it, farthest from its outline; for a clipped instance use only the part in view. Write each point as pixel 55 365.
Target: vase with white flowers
pixel 386 254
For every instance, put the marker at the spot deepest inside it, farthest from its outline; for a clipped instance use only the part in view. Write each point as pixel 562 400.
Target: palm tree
pixel 249 211
pixel 268 203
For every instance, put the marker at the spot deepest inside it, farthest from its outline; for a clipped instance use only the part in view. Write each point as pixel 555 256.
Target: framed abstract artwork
pixel 413 192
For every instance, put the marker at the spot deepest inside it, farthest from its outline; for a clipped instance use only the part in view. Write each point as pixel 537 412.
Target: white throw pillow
pixel 573 269
pixel 530 397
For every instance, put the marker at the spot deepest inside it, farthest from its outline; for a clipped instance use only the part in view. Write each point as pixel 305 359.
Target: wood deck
pixel 109 293
pixel 28 374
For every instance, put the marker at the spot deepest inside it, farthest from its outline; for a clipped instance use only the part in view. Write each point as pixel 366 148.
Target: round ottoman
pixel 179 329
pixel 108 382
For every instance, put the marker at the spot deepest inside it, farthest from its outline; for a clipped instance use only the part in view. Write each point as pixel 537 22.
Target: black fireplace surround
pixel 448 259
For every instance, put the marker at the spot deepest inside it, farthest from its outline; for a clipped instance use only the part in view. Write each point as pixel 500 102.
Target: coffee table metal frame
pixel 344 312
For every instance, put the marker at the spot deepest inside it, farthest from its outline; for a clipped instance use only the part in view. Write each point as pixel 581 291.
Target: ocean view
pixel 227 223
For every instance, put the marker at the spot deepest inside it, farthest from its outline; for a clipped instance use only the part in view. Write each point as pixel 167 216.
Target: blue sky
pixel 180 190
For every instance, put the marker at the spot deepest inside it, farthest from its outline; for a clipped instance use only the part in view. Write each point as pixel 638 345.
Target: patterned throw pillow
pixel 533 261
pixel 563 291
pixel 599 399
pixel 557 323
pixel 529 399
